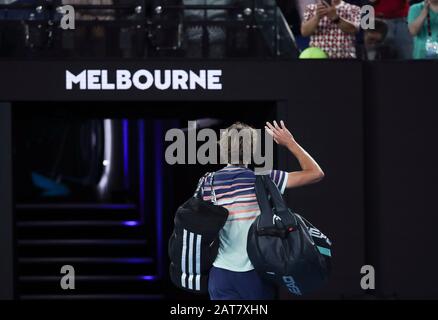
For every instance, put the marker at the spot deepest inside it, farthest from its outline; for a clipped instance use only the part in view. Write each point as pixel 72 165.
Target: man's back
pixel 234 187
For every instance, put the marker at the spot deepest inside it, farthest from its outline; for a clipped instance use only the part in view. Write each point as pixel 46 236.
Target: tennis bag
pixel 284 247
pixel 194 243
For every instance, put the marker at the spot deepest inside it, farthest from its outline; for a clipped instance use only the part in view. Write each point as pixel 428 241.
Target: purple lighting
pixel 125 125
pixel 137 260
pixel 141 152
pixel 148 278
pixel 158 150
pixel 130 223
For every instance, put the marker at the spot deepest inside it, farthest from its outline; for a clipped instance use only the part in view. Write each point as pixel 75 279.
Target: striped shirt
pixel 234 187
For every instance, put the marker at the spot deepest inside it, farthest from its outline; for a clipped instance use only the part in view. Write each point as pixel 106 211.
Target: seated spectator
pixel 394 13
pixel 375 47
pixel 332 27
pixel 423 25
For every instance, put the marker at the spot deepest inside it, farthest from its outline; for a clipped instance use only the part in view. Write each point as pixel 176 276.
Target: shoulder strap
pixel 277 198
pixel 271 203
pixel 213 192
pixel 200 188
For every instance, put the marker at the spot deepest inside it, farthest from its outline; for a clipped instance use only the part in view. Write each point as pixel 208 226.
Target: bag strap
pixel 274 210
pixel 200 188
pixel 212 191
pixel 277 198
pixel 262 195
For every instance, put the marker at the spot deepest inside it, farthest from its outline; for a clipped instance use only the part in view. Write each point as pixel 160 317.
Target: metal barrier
pixel 142 28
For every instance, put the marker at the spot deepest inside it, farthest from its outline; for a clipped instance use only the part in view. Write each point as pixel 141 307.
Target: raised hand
pixel 280 133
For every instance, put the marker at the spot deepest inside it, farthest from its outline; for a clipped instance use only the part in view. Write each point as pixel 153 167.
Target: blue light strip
pixel 125 125
pixel 130 223
pixel 141 169
pixel 148 278
pixel 94 206
pixel 159 162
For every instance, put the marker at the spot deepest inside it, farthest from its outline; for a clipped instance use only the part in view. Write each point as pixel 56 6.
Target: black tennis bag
pixel 194 243
pixel 284 247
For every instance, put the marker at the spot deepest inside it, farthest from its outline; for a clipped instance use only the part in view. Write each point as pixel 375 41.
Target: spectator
pixel 374 43
pixel 394 13
pixel 332 27
pixel 423 25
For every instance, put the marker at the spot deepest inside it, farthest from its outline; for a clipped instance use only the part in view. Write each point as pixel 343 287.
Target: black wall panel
pixel 6 218
pixel 401 113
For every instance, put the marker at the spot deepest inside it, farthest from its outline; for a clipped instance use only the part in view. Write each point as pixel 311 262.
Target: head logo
pixel 275 218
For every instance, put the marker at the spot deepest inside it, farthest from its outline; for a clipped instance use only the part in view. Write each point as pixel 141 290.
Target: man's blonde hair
pixel 237 144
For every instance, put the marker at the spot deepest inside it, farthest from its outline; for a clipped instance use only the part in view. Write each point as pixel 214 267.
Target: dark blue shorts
pixel 230 285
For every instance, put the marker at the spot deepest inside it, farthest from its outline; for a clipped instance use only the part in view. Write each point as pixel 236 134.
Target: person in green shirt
pixel 423 25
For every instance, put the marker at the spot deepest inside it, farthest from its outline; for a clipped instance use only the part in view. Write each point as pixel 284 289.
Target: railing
pixel 252 28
